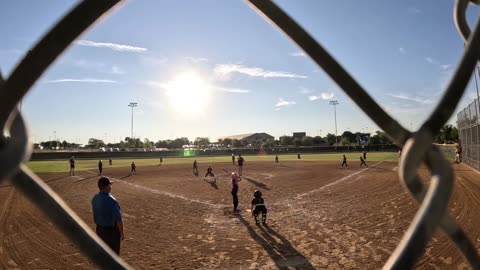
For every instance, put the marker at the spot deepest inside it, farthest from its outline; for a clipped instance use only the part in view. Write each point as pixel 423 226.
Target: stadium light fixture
pixel 133 105
pixel 335 103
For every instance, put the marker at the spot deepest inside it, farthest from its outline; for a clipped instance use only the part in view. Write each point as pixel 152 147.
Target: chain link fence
pixel 417 147
pixel 468 133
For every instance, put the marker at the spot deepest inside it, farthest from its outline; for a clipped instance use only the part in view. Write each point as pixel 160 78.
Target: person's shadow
pixel 285 166
pixel 55 179
pixel 283 254
pixel 80 180
pixel 212 183
pixel 256 183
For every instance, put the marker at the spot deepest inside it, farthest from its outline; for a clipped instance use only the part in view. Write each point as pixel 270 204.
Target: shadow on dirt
pixel 55 179
pixel 280 249
pixel 212 183
pixel 285 166
pixel 380 169
pixel 83 179
pixel 126 176
pixel 256 183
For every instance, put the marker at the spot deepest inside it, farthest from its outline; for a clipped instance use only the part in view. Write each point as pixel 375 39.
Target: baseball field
pixel 320 216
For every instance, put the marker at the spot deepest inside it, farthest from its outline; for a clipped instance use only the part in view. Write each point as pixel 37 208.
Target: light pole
pixel 476 85
pixel 132 104
pixel 335 103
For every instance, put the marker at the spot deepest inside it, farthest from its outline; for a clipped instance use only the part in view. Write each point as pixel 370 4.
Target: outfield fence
pixel 469 132
pixel 447 150
pixel 65 155
pixel 417 146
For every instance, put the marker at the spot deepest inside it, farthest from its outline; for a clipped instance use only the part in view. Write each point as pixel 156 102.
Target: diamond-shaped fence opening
pixel 417 147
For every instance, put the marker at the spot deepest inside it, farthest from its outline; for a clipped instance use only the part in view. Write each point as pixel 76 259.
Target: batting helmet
pixel 257 194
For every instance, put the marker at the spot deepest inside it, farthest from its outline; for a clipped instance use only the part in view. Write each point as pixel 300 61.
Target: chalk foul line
pixel 343 179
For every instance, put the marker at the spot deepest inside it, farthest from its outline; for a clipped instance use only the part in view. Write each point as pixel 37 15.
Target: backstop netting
pixel 468 134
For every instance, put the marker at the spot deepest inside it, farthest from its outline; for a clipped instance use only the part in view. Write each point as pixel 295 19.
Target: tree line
pixel 447 134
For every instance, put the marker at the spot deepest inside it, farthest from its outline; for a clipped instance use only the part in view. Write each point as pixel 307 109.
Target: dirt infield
pixel 320 217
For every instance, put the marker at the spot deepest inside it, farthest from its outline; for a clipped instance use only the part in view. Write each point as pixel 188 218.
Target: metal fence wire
pixel 468 132
pixel 417 146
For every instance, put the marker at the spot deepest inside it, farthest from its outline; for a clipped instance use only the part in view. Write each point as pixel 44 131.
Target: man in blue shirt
pixel 107 216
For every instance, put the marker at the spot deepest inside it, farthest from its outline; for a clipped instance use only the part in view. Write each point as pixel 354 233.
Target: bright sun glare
pixel 188 93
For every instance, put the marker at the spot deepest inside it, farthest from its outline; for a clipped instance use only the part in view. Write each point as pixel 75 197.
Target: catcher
pixel 209 172
pixel 258 206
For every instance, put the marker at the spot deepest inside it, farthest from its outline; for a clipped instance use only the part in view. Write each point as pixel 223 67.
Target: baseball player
pixel 100 167
pixel 344 161
pixel 195 168
pixel 362 162
pixel 258 205
pixel 72 165
pixel 235 179
pixel 133 168
pixel 209 172
pixel 240 162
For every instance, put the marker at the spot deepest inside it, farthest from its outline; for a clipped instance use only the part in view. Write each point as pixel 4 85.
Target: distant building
pixel 250 138
pixel 299 135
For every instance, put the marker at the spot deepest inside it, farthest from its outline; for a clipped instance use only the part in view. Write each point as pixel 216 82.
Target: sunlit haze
pixel 188 93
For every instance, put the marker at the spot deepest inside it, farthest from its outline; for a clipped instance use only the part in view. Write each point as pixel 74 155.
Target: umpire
pixel 107 216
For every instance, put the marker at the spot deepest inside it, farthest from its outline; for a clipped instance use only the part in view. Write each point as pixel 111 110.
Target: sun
pixel 188 93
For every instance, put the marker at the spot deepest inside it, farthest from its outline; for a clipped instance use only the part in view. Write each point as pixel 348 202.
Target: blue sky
pixel 214 68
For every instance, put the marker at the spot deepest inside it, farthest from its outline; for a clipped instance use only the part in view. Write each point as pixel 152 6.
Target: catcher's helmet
pixel 257 194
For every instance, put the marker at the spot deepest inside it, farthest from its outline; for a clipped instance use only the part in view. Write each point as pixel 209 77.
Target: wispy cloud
pixel 283 104
pixel 420 100
pixel 324 96
pixel 299 54
pixel 431 60
pixel 86 80
pixel 232 90
pixel 305 91
pixel 225 69
pixel 113 46
pixel 445 67
pixel 164 85
pixel 117 70
pixel 402 50
pixel 196 60
pixel 98 66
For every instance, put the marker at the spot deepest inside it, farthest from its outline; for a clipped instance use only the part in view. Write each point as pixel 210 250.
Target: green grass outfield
pixel 90 164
